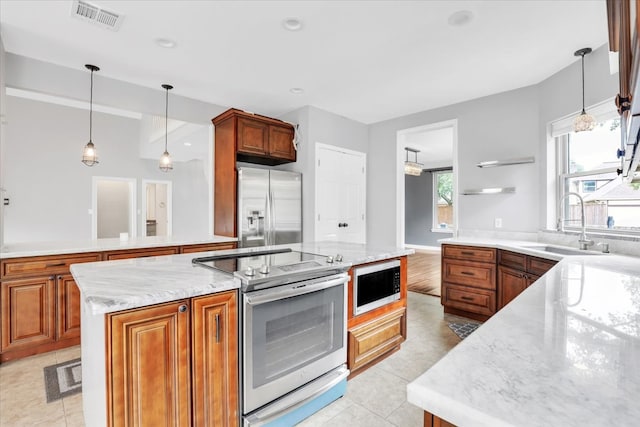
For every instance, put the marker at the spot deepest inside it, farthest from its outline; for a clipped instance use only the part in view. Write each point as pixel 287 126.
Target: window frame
pixel 435 226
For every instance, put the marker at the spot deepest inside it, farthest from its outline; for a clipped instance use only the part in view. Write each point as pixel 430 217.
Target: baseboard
pixel 423 248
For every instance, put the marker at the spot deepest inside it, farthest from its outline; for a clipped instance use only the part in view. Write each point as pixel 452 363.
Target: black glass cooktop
pixel 286 260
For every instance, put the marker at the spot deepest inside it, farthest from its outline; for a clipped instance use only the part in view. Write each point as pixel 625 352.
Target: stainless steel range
pixel 293 325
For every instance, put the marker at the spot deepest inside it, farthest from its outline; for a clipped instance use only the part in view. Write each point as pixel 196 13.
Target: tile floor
pixel 374 398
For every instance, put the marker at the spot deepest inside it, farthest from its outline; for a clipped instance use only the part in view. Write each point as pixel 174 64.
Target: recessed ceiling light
pixel 292 24
pixel 166 43
pixel 187 144
pixel 459 18
pixel 296 90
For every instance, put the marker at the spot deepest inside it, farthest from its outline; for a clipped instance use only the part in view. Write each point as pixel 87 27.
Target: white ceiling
pixel 365 60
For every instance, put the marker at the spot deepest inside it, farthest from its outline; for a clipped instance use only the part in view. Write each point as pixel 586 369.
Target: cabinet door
pixel 28 310
pixel 252 136
pixel 68 315
pixel 510 284
pixel 281 143
pixel 215 360
pixel 149 366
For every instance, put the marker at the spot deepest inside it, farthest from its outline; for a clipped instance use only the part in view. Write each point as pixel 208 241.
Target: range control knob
pixel 250 271
pixel 264 269
pixel 339 258
pixel 330 259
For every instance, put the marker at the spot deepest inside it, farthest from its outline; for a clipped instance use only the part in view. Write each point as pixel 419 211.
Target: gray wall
pixel 418 211
pixel 505 125
pixel 320 126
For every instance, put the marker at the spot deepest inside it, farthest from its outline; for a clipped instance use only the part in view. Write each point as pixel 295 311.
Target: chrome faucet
pixel 583 241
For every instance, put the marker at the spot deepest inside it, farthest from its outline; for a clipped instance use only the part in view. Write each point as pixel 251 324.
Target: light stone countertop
pixel 110 286
pixel 16 250
pixel 565 352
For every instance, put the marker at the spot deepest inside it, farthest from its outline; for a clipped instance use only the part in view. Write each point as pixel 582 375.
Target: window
pixel 587 167
pixel 443 200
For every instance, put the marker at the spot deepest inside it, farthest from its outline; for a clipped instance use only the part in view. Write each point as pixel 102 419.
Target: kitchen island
pixel 174 307
pixel 565 352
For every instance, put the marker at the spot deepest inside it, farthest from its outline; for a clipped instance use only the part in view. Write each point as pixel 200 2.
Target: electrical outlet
pixel 497 222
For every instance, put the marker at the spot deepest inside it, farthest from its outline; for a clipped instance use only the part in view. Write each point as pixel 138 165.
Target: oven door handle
pixel 295 290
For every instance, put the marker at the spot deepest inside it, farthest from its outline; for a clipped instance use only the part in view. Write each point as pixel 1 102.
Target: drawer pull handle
pixel 60 264
pixel 466 298
pixel 467 273
pixel 467 253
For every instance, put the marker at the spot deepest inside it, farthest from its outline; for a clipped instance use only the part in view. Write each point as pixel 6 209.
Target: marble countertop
pixel 110 286
pixel 565 352
pixel 16 250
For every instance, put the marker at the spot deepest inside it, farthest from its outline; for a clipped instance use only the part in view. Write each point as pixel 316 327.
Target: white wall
pixel 113 208
pixel 3 109
pixel 50 189
pixel 505 125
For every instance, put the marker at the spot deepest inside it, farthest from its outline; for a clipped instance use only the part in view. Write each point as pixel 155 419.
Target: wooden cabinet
pixel 469 281
pixel 379 337
pixel 244 137
pixel 516 272
pixel 28 313
pixel 376 334
pixel 174 364
pixel 39 304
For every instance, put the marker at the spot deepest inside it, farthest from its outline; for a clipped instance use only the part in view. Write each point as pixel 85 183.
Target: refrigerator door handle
pixel 273 217
pixel 267 220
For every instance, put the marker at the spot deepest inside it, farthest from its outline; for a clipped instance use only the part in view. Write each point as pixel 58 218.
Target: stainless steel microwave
pixel 375 285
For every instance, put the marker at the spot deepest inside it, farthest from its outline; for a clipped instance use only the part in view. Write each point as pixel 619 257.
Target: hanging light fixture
pixel 584 121
pixel 89 153
pixel 165 161
pixel 412 168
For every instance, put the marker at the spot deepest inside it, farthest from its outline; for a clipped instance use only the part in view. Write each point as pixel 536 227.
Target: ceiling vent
pixel 96 15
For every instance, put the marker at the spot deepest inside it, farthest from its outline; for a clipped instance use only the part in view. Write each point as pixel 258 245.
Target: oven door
pixel 292 334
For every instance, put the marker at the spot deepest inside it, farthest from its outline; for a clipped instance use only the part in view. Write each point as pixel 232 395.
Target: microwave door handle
pixel 294 291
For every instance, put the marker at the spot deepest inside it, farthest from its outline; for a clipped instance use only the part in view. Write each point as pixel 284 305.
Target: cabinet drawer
pixel 468 273
pixel 372 340
pixel 469 299
pixel 539 266
pixel 170 250
pixel 205 247
pixel 512 259
pixel 469 253
pixel 43 265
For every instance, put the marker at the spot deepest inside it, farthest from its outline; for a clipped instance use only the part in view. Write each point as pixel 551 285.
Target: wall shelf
pixel 506 162
pixel 481 191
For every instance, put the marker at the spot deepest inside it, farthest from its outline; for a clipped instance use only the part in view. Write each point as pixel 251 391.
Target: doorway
pixel 157 208
pixel 418 204
pixel 113 209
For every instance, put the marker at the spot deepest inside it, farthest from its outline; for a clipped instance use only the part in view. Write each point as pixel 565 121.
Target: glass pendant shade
pixel 89 153
pixel 165 160
pixel 583 122
pixel 412 168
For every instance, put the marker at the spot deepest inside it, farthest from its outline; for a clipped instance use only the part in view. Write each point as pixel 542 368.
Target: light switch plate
pixel 497 222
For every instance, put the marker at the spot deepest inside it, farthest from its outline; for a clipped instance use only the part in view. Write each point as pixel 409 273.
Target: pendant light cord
pixel 91 109
pixel 166 118
pixel 583 112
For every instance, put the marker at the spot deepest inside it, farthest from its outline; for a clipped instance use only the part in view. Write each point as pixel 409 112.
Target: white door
pixel 340 194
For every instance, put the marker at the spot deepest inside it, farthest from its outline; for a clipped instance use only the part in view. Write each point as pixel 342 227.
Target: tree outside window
pixel 443 200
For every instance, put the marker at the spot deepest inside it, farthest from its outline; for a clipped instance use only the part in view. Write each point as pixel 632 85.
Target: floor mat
pixel 63 379
pixel 463 329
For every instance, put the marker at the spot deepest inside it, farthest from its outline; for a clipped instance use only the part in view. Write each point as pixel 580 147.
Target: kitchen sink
pixel 560 250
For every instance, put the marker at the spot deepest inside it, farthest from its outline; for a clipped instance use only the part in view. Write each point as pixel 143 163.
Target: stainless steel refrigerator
pixel 269 207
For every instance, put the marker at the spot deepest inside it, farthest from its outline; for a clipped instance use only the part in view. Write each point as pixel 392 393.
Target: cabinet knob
pixel 182 308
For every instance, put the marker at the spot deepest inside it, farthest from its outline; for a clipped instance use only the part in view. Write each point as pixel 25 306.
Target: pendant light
pixel 584 121
pixel 165 161
pixel 89 153
pixel 412 168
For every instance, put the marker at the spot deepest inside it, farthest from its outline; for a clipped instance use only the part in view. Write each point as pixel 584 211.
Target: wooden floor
pixel 423 272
